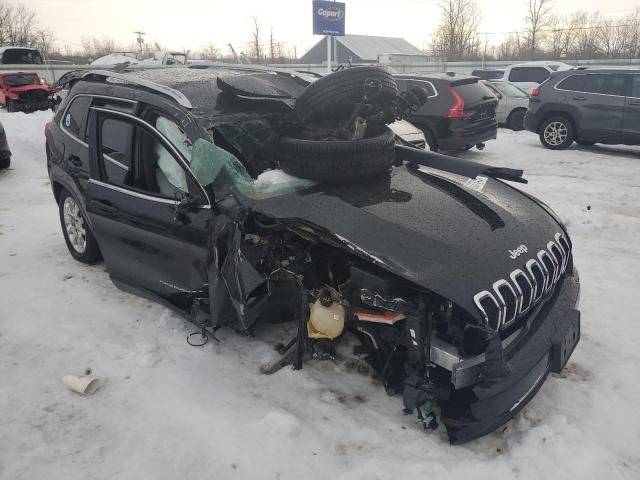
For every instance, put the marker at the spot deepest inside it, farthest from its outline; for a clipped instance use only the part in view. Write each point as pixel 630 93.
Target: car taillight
pixel 535 92
pixel 457 110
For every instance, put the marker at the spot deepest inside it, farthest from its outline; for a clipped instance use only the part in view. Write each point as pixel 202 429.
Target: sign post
pixel 329 20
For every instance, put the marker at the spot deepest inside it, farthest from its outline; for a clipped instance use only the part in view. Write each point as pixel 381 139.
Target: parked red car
pixel 23 91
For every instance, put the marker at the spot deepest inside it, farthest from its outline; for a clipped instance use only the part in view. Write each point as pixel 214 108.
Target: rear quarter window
pixel 75 115
pixel 573 82
pixel 404 85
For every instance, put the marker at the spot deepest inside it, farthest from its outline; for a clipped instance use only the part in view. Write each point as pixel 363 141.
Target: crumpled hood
pixel 426 226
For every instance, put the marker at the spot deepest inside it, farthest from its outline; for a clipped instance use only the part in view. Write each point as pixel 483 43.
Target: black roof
pixel 202 86
pixel 449 78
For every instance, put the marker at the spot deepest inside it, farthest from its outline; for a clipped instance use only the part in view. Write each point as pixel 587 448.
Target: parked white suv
pixel 512 103
pixel 529 75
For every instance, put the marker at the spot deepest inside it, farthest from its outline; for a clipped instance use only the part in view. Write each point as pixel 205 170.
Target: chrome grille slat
pixel 509 296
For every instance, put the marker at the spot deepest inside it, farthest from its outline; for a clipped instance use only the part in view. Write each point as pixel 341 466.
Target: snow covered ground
pixel 167 411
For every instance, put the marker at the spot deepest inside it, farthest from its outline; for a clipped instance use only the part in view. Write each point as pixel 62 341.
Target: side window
pixel 134 158
pixel 74 116
pixel 635 86
pixel 574 82
pixel 518 74
pixel 116 141
pixel 161 174
pixel 537 74
pixel 428 86
pixel 605 84
pixel 528 74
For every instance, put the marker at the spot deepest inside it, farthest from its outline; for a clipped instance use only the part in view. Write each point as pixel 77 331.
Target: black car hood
pixel 427 226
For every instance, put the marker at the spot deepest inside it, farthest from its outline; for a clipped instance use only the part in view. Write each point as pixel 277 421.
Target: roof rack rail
pixel 170 92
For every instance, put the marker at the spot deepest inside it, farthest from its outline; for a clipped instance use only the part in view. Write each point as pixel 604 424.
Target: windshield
pixel 19 80
pixel 218 167
pixel 21 56
pixel 215 166
pixel 510 90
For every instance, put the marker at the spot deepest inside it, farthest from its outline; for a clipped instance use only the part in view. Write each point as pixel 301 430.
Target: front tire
pixel 77 235
pixel 557 133
pixel 11 106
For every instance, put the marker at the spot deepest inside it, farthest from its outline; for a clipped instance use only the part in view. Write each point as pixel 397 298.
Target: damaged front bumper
pixel 553 331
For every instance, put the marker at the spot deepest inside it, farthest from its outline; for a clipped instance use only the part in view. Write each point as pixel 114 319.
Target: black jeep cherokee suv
pixel 588 106
pixel 459 289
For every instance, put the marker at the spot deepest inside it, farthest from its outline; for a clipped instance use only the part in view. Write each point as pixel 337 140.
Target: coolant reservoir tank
pixel 326 319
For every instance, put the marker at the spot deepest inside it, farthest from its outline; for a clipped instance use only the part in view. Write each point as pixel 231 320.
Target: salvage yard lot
pixel 166 410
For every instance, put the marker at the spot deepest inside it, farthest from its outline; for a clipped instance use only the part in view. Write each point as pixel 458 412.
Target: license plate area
pixel 564 341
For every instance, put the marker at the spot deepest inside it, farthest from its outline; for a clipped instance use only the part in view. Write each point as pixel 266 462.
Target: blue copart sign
pixel 328 18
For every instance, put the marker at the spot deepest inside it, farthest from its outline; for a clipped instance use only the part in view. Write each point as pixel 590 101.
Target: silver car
pixel 512 103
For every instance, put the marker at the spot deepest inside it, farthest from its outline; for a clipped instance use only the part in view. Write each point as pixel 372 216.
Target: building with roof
pixel 364 49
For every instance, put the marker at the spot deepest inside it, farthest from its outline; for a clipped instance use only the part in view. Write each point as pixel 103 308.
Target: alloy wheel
pixel 555 133
pixel 74 225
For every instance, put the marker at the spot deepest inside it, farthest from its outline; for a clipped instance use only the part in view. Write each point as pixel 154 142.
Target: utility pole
pixel 140 41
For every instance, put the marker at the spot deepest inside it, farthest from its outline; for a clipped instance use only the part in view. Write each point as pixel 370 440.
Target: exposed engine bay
pixel 277 272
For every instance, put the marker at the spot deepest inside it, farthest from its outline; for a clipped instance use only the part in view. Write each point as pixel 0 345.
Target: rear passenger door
pixel 138 178
pixel 600 99
pixel 75 161
pixel 631 122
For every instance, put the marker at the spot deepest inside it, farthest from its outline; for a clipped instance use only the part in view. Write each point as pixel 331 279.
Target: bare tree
pixel 210 52
pixel 19 26
pixel 611 36
pixel 457 34
pixel 562 35
pixel 511 48
pixel 538 14
pixel 254 44
pixel 586 42
pixel 633 34
pixel 94 47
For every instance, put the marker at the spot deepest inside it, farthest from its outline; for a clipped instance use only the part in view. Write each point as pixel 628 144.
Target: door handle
pixel 104 206
pixel 75 160
pixel 579 98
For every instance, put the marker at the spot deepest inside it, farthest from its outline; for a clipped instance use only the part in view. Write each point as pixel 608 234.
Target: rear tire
pixel 557 133
pixel 516 120
pixel 76 231
pixel 11 106
pixel 432 144
pixel 338 92
pixel 337 161
pixel 5 163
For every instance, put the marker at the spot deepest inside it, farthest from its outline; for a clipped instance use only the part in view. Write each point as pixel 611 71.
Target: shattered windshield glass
pixel 211 164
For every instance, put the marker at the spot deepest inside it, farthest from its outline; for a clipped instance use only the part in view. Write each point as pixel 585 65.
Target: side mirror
pixel 183 204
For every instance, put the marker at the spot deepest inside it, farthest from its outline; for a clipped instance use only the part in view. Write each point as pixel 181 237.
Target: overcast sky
pixel 190 24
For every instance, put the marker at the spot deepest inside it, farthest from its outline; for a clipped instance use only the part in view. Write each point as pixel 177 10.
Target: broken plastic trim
pixel 456 165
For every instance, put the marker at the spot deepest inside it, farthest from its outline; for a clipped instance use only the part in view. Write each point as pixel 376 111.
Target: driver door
pixel 138 179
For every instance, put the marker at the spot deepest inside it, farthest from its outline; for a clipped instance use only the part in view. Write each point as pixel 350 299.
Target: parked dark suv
pixel 457 289
pixel 460 113
pixel 587 106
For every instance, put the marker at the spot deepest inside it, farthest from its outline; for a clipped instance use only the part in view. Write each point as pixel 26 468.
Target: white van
pixel 529 75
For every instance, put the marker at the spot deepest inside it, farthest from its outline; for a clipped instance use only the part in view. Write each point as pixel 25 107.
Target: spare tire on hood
pixel 337 161
pixel 337 92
